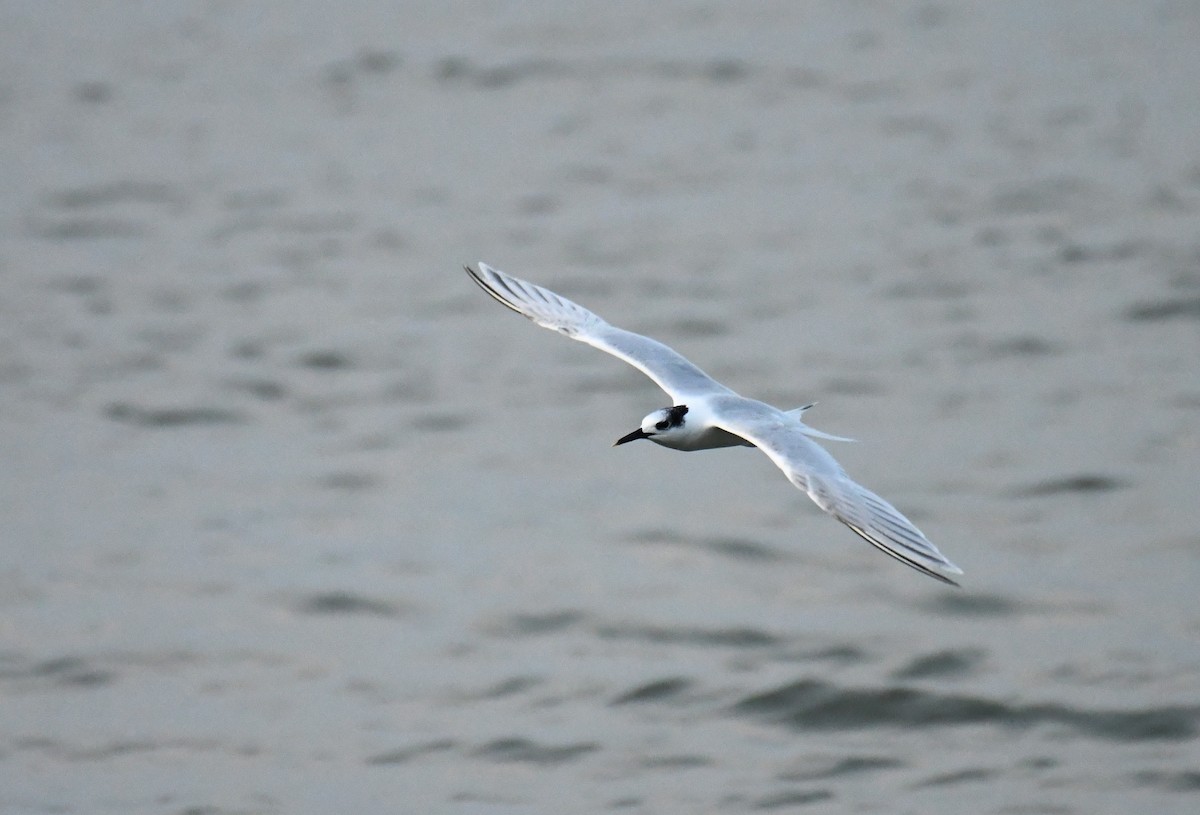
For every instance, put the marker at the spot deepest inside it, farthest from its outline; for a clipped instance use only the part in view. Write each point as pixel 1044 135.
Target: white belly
pixel 708 439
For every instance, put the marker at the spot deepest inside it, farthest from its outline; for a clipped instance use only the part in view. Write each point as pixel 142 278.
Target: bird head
pixel 659 425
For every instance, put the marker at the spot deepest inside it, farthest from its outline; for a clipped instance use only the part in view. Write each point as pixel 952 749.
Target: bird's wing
pixel 811 468
pixel 669 369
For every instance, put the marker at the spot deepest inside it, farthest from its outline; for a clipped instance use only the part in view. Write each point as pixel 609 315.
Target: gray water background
pixel 297 521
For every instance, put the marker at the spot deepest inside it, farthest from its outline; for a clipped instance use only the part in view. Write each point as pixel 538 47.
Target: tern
pixel 705 414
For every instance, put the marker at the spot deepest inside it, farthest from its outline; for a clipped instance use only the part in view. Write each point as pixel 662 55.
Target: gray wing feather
pixel 667 367
pixel 811 468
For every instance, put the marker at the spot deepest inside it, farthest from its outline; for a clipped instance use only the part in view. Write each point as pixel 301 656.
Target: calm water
pixel 297 521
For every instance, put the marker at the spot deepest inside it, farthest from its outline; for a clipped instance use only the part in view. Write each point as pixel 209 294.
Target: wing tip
pixel 478 271
pixel 949 581
pixel 937 569
pixel 475 274
pixel 480 275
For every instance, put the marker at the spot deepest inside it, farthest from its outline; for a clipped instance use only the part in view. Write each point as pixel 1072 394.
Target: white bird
pixel 705 414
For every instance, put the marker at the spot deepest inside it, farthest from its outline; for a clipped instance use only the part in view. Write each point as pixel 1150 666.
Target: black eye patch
pixel 663 425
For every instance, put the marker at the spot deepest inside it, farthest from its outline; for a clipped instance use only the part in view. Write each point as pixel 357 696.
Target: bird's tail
pixel 812 431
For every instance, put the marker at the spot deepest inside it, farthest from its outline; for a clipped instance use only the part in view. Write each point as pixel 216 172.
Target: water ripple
pixel 811 703
pixel 526 751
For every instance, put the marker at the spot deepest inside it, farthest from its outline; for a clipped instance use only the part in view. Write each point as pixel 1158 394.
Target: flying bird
pixel 704 414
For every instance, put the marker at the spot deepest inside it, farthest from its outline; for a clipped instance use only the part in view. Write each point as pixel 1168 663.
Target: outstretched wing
pixel 669 369
pixel 811 468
